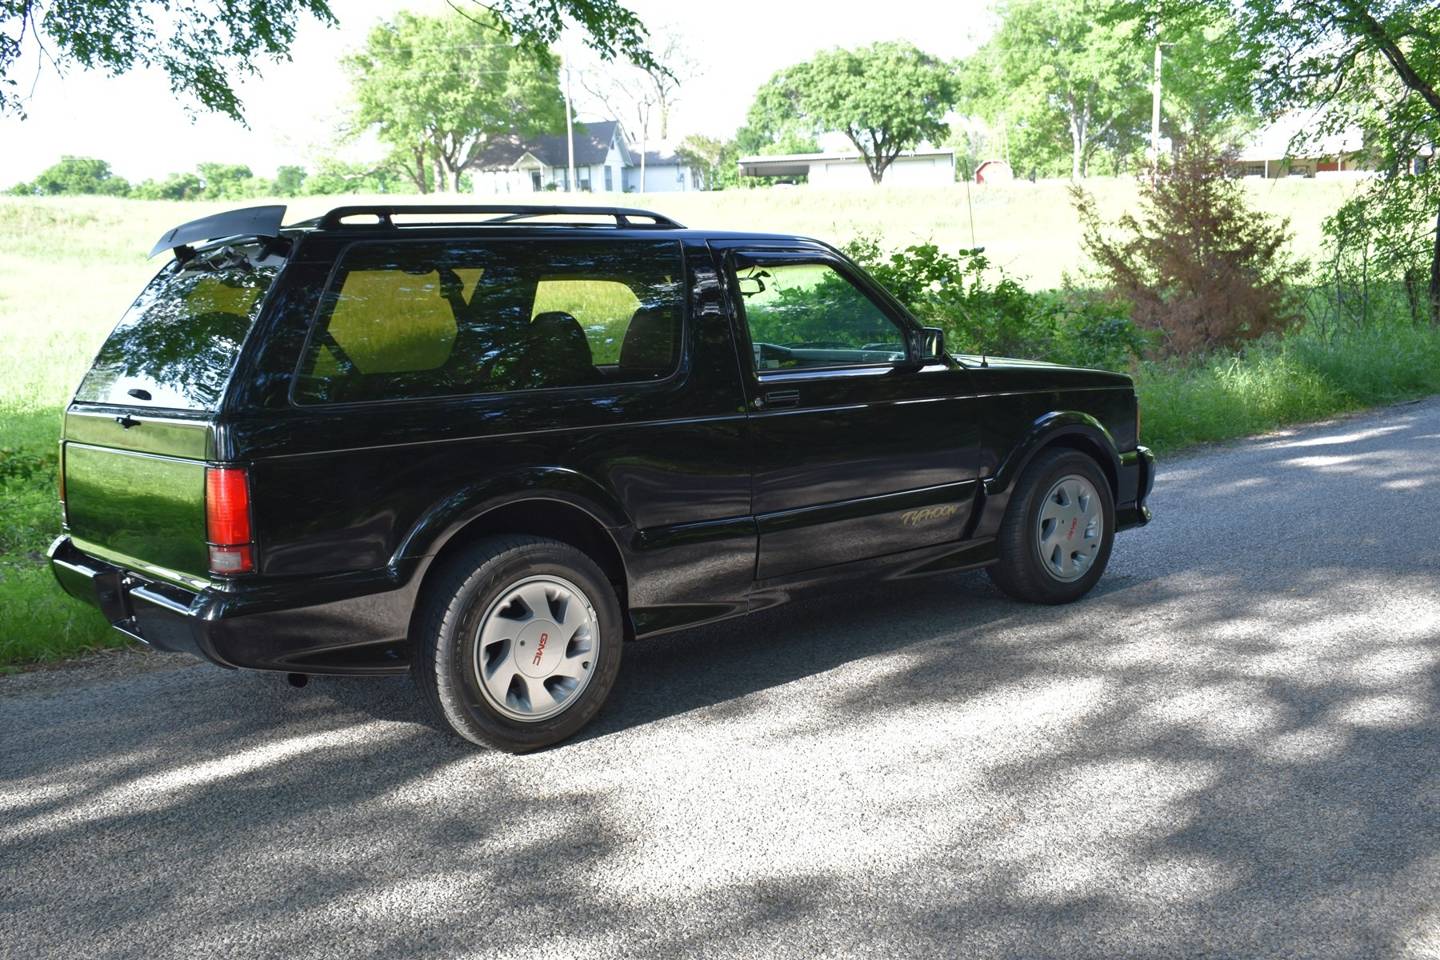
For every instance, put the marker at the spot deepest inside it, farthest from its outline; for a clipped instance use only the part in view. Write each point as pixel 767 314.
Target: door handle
pixel 782 398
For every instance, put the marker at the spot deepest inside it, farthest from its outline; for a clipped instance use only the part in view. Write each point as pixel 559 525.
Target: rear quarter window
pixel 412 320
pixel 177 344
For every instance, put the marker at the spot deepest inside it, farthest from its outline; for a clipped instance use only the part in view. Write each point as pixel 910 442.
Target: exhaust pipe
pixel 297 680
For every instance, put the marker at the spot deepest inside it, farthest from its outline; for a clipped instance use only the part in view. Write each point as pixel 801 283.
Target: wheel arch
pixel 1072 429
pixel 573 511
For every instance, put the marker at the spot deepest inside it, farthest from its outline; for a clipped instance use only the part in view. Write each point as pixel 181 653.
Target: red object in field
pixel 227 520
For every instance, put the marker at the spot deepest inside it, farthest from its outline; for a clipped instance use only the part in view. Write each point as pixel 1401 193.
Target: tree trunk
pixel 1435 277
pixel 420 173
pixel 1077 146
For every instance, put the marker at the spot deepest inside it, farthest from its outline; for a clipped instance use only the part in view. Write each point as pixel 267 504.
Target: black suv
pixel 488 444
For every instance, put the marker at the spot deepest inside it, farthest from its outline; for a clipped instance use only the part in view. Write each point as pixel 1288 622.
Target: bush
pixel 1198 265
pixel 1000 318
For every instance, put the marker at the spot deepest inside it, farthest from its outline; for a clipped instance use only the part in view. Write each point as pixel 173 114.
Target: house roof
pixel 798 164
pixel 592 145
pixel 1274 142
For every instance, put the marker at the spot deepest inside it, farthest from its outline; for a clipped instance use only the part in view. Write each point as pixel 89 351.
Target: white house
pixel 605 160
pixel 1279 150
pixel 929 167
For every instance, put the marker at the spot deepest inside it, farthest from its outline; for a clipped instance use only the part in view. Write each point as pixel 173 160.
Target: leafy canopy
pixel 75 175
pixel 439 90
pixel 206 46
pixel 885 98
pixel 1071 80
pixel 1342 64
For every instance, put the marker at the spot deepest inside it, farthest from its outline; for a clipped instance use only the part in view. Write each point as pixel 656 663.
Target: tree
pixel 440 90
pixel 177 186
pixel 885 98
pixel 205 46
pixel 715 160
pixel 1197 264
pixel 76 175
pixel 1062 74
pixel 289 180
pixel 1374 64
pixel 333 176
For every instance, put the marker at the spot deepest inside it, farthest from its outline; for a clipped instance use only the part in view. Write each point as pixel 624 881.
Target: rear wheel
pixel 1057 533
pixel 519 643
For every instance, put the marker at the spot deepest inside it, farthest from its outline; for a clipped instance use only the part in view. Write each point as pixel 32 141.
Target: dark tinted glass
pixel 809 315
pixel 426 320
pixel 176 345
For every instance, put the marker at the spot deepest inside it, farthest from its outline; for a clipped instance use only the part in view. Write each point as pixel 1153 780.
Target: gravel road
pixel 1230 749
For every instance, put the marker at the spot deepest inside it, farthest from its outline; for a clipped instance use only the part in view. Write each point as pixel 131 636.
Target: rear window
pixel 176 345
pixel 428 320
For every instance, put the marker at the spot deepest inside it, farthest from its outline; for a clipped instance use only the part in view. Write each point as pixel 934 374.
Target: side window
pixel 603 308
pixel 426 320
pixel 810 315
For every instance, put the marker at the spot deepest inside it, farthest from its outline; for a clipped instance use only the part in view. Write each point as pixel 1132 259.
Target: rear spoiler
pixel 249 222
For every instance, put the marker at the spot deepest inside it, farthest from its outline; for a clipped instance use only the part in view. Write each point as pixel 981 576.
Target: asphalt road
pixel 1232 748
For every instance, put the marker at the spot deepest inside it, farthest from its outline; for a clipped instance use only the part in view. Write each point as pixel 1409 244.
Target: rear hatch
pixel 141 428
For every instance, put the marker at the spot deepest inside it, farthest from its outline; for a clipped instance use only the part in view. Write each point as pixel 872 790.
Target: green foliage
pixel 1277 381
pixel 203 46
pixel 713 159
pixel 999 317
pixel 36 621
pixel 1198 265
pixel 1368 63
pixel 439 90
pixel 1065 80
pixel 885 98
pixel 336 176
pixel 232 181
pixel 1068 83
pixel 76 175
pixel 1382 237
pixel 177 186
pixel 289 180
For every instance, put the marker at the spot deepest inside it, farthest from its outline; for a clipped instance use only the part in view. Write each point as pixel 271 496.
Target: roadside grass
pixel 37 621
pixel 1277 382
pixel 70 266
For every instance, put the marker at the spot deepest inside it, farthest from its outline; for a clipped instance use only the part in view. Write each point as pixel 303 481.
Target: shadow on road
pixel 1231 748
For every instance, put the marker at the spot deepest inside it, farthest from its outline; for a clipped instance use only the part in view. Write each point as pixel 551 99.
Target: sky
pixel 294 108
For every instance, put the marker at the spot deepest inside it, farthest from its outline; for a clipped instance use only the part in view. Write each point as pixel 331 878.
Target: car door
pixel 859 450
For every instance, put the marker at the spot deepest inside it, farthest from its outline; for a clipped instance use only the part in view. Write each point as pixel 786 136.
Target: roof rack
pixel 506 213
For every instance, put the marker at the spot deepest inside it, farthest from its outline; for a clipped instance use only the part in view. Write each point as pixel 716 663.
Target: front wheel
pixel 519 643
pixel 1058 529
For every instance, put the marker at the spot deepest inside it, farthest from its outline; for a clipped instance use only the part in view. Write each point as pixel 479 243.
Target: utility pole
pixel 1155 115
pixel 569 134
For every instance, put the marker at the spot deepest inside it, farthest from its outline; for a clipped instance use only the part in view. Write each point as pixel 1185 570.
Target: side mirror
pixel 932 343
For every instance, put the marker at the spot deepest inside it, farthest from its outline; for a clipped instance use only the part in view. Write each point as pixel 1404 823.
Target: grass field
pixel 70 266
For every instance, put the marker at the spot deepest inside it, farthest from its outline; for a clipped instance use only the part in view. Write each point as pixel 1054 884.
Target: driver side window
pixel 809 315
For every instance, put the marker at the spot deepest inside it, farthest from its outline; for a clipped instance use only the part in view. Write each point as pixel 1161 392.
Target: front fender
pixel 450 514
pixel 1070 427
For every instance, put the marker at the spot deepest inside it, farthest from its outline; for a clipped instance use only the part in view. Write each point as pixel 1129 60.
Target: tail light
pixel 227 520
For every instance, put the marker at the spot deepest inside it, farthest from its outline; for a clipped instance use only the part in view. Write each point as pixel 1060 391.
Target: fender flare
pixel 448 516
pixel 1043 432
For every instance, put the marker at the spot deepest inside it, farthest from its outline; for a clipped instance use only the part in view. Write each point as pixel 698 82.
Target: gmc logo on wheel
pixel 540 649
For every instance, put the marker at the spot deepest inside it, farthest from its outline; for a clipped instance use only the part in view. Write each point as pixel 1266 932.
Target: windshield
pixel 176 345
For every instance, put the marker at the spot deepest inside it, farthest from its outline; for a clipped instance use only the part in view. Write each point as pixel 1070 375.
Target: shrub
pixel 1197 265
pixel 999 317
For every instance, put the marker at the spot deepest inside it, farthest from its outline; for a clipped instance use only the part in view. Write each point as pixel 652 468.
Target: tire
pixel 495 603
pixel 1049 551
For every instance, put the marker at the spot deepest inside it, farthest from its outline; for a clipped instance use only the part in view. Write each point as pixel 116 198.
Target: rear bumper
pixel 357 626
pixel 1138 474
